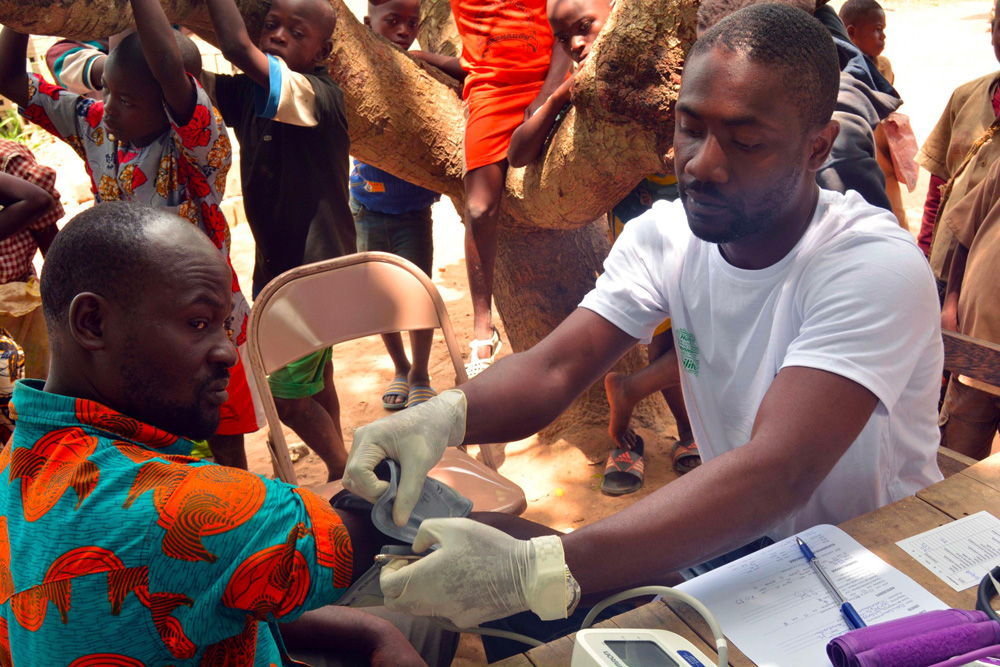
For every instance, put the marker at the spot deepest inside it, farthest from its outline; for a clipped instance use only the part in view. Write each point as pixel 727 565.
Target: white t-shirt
pixel 854 297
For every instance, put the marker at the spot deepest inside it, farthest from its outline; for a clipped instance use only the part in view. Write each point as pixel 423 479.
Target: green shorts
pixel 302 378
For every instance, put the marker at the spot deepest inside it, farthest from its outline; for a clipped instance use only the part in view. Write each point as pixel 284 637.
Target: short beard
pixel 152 406
pixel 746 223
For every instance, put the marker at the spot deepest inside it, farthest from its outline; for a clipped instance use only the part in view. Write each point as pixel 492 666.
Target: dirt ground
pixel 933 46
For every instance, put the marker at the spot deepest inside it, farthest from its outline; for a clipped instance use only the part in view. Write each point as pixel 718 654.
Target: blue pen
pixel 850 615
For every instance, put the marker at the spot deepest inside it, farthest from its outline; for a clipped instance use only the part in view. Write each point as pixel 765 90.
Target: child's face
pixel 133 105
pixel 294 30
pixel 576 24
pixel 868 34
pixel 396 20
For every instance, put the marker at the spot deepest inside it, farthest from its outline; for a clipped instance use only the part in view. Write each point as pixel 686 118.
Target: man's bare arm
pixel 805 423
pixel 523 393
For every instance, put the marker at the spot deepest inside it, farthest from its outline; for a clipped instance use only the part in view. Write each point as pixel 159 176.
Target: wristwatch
pixel 573 592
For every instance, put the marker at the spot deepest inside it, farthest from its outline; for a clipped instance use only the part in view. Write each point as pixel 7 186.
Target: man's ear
pixel 87 320
pixel 851 32
pixel 367 21
pixel 821 145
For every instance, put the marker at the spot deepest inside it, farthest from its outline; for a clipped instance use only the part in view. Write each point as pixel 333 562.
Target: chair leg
pixel 493 455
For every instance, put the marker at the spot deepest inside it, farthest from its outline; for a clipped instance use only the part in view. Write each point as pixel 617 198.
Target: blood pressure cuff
pixel 437 501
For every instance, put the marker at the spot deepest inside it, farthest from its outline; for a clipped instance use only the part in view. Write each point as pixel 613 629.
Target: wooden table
pixel 972 490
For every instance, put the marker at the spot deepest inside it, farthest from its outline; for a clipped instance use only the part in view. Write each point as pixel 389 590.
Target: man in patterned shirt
pixel 118 548
pixel 155 140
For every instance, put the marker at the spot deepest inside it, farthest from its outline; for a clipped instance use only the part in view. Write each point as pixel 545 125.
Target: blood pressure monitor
pixel 614 647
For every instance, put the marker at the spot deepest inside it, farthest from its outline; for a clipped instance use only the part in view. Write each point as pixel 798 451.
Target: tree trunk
pixel 407 118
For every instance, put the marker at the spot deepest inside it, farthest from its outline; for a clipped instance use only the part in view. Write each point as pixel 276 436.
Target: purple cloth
pixel 923 639
pixel 932 647
pixel 843 648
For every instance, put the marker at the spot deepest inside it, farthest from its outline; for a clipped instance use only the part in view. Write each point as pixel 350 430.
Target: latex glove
pixel 478 574
pixel 415 438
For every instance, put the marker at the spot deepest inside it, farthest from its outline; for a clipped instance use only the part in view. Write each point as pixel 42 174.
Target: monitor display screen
pixel 641 654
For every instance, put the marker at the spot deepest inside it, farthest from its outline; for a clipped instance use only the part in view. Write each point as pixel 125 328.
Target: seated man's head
pixel 396 20
pixel 576 24
pixel 299 32
pixel 133 100
pixel 865 23
pixel 711 12
pixel 753 122
pixel 137 302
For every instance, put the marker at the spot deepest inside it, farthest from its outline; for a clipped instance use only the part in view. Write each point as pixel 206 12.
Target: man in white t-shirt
pixel 807 325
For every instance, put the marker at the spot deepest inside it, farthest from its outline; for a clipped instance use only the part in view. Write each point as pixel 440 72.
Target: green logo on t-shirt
pixel 688 345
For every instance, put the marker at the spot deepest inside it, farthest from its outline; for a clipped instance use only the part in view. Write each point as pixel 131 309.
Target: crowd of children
pixel 151 127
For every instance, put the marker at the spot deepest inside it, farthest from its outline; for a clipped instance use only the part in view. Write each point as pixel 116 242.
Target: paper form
pixel 960 552
pixel 776 609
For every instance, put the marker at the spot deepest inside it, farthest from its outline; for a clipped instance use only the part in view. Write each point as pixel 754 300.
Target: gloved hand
pixel 416 438
pixel 479 574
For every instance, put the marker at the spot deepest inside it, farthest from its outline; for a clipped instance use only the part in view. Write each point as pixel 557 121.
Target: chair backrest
pixel 319 305
pixel 972 357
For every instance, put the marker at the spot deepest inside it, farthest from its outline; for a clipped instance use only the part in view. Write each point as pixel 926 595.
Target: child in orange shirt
pixel 506 52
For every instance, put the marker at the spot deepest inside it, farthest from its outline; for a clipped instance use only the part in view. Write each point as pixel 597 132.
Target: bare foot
pixel 622 404
pixel 396 398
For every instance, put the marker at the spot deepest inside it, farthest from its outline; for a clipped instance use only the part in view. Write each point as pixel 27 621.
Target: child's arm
pixel 23 203
pixel 235 43
pixel 559 67
pixel 164 58
pixel 13 77
pixel 527 141
pixel 450 65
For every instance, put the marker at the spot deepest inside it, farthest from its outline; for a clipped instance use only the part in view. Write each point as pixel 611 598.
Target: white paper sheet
pixel 774 607
pixel 960 552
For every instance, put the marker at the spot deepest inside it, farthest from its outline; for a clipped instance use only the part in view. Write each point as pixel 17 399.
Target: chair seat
pixel 487 489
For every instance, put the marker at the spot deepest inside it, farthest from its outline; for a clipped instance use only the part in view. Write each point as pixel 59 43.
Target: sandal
pixel 477 365
pixel 624 471
pixel 419 395
pixel 685 456
pixel 396 388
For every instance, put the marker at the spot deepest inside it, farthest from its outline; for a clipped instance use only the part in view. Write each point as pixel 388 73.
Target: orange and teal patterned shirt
pixel 118 548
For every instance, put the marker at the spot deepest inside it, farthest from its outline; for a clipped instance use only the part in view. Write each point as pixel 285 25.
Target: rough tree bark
pixel 407 118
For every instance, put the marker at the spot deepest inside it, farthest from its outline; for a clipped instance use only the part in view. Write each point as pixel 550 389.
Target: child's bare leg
pixel 420 349
pixel 316 419
pixel 228 450
pixel 394 346
pixel 483 188
pixel 625 391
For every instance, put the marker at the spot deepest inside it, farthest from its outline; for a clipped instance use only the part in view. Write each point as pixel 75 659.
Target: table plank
pixel 961 495
pixel 986 471
pixel 880 530
pixel 519 660
pixel 694 621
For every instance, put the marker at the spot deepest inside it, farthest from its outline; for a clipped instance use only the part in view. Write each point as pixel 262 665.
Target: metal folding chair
pixel 319 305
